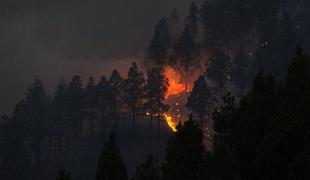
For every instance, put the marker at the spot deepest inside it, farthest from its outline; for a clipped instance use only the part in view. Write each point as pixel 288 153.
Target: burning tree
pixel 186 55
pixel 156 88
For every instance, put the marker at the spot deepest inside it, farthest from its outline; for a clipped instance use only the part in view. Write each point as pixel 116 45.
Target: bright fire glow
pixel 175 82
pixel 170 122
pixel 168 118
pixel 176 87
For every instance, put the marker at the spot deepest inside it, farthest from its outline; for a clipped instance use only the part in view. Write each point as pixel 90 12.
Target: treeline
pixel 236 37
pixel 264 136
pixel 46 131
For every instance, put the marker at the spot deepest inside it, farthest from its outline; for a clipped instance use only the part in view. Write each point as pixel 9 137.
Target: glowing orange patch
pixel 175 84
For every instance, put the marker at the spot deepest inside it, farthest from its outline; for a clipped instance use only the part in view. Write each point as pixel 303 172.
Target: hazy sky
pixel 49 39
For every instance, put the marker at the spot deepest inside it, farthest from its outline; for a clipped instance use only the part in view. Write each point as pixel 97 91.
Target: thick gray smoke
pixel 49 39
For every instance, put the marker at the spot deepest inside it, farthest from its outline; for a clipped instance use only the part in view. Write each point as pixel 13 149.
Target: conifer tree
pixel 115 81
pixel 149 169
pixel 184 153
pixel 110 164
pixel 156 88
pixel 217 68
pixel 133 88
pixel 158 49
pixel 199 99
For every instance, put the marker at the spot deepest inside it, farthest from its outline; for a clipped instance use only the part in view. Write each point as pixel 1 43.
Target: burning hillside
pixel 176 85
pixel 176 97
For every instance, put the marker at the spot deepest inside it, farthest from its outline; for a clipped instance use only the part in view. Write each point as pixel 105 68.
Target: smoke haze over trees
pixel 246 90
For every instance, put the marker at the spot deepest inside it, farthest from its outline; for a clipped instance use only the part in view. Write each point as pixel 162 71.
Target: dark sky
pixel 49 39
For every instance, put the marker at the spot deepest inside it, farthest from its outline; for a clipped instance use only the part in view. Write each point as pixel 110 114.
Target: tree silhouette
pixel 90 103
pixel 199 99
pixel 186 54
pixel 59 115
pixel 75 109
pixel 36 117
pixel 161 42
pixel 191 21
pixel 149 169
pixel 184 152
pixel 115 81
pixel 110 164
pixel 133 90
pixel 217 68
pixel 105 100
pixel 175 26
pixel 241 71
pixel 156 88
pixel 64 175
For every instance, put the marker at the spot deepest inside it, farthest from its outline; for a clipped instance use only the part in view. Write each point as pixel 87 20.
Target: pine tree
pixel 156 88
pixel 241 71
pixel 217 68
pixel 75 95
pixel 110 164
pixel 115 81
pixel 175 26
pixel 184 153
pixel 59 113
pixel 199 99
pixel 133 88
pixel 149 169
pixel 105 98
pixel 160 44
pixel 186 54
pixel 91 110
pixel 191 21
pixel 36 109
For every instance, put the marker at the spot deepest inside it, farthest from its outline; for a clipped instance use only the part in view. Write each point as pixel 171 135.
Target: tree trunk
pixel 185 80
pixel 151 128
pixel 91 128
pixel 133 119
pixel 158 119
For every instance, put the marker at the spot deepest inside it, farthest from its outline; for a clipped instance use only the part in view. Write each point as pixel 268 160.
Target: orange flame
pixel 170 122
pixel 176 87
pixel 175 84
pixel 168 118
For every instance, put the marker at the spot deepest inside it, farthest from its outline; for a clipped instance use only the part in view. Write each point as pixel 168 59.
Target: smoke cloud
pixel 49 39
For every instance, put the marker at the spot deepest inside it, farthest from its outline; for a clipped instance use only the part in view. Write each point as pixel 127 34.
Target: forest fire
pixel 170 122
pixel 175 89
pixel 176 97
pixel 175 82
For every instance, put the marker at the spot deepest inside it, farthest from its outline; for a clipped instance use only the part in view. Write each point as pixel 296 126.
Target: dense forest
pixel 245 70
pixel 263 136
